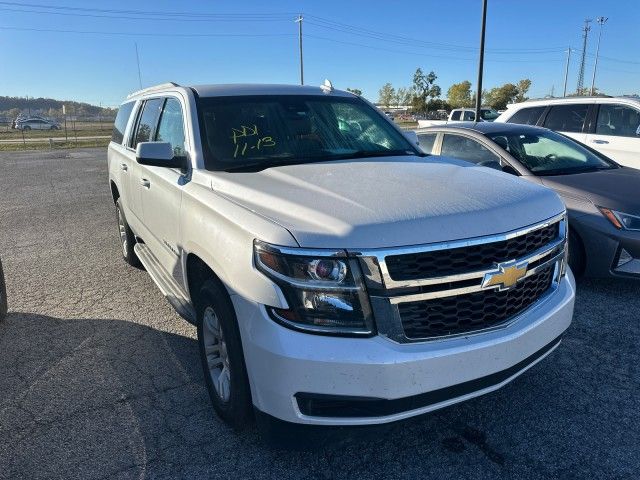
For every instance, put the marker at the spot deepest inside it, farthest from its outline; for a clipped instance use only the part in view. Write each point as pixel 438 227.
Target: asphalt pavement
pixel 100 378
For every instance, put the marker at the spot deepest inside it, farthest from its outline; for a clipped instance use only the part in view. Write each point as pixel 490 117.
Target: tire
pixel 3 295
pixel 127 238
pixel 222 356
pixel 577 257
pixel 26 127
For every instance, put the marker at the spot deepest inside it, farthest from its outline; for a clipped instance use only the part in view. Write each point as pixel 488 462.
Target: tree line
pixel 12 106
pixel 424 95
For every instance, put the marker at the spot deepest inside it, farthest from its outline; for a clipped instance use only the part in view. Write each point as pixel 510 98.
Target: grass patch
pixel 19 147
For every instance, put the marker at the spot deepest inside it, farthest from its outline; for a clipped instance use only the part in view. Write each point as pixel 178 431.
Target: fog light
pixel 625 257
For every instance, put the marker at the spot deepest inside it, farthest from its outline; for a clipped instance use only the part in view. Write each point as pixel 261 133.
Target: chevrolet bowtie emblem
pixel 505 276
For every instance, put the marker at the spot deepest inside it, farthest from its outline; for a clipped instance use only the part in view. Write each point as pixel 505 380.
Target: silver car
pixel 37 124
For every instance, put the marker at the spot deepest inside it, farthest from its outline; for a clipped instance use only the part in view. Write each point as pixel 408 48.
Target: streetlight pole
pixel 481 60
pixel 566 72
pixel 601 21
pixel 299 22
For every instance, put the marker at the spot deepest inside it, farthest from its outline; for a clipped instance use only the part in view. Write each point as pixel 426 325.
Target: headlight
pixel 622 221
pixel 323 288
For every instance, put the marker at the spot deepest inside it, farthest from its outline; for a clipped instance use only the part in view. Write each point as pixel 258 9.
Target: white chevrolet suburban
pixel 336 274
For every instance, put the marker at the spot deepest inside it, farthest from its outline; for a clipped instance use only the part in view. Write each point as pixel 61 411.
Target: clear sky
pixel 360 44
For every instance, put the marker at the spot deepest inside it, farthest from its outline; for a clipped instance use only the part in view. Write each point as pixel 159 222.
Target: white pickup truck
pixel 462 115
pixel 336 274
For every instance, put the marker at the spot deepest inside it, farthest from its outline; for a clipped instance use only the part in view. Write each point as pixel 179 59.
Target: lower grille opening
pixel 474 311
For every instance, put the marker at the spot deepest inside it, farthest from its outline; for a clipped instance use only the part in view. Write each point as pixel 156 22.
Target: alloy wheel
pixel 215 349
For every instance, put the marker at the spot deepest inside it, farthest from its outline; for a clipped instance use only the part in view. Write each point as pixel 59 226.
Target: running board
pixel 166 283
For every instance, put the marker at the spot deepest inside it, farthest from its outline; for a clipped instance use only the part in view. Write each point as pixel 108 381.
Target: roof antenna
pixel 327 86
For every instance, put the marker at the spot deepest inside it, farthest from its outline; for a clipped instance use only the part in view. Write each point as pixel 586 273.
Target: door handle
pixel 600 142
pixel 123 167
pixel 145 183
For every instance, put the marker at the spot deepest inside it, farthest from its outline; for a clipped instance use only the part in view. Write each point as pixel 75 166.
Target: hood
pixel 616 188
pixel 390 201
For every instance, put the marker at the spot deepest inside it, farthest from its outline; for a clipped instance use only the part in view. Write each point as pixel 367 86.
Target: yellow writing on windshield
pixel 247 138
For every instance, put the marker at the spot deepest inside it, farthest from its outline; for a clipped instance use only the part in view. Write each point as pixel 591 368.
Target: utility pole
pixel 585 35
pixel 299 22
pixel 566 72
pixel 601 21
pixel 481 60
pixel 138 62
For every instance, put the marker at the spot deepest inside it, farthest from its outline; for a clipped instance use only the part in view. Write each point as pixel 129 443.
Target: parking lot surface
pixel 99 378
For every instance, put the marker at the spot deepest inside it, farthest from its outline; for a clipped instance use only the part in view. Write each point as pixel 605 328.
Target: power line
pixel 149 34
pixel 252 17
pixel 142 12
pixel 423 54
pixel 386 36
pixel 248 18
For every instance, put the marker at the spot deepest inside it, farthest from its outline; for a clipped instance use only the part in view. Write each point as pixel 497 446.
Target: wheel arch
pixel 575 234
pixel 115 193
pixel 197 271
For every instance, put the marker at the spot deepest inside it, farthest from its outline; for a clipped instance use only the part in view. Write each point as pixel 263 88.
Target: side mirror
pixel 158 154
pixel 412 137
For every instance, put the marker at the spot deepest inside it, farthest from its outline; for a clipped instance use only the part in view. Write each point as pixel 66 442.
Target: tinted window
pixel 265 130
pixel 464 148
pixel 549 153
pixel 148 121
pixel 618 120
pixel 456 115
pixel 171 126
pixel 527 116
pixel 426 141
pixel 469 116
pixel 566 118
pixel 122 118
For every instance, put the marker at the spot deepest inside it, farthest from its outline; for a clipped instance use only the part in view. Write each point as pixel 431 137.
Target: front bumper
pixel 604 245
pixel 286 367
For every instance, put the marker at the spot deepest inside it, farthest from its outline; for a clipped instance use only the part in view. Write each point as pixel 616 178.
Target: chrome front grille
pixel 482 310
pixel 453 261
pixel 458 288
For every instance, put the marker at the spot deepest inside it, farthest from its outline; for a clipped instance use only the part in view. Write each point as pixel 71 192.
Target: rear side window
pixel 464 148
pixel 426 141
pixel 148 121
pixel 456 115
pixel 527 116
pixel 122 118
pixel 618 120
pixel 469 116
pixel 567 118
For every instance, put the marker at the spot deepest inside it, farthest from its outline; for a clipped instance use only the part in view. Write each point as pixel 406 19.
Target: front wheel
pixel 26 127
pixel 127 238
pixel 222 356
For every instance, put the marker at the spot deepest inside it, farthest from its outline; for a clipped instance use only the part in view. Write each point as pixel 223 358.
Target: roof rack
pixel 161 86
pixel 568 96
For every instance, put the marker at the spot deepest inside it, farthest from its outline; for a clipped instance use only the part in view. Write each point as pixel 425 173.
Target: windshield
pixel 549 153
pixel 489 115
pixel 255 132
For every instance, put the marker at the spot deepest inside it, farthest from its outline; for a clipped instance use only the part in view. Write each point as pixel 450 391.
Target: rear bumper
pixel 311 379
